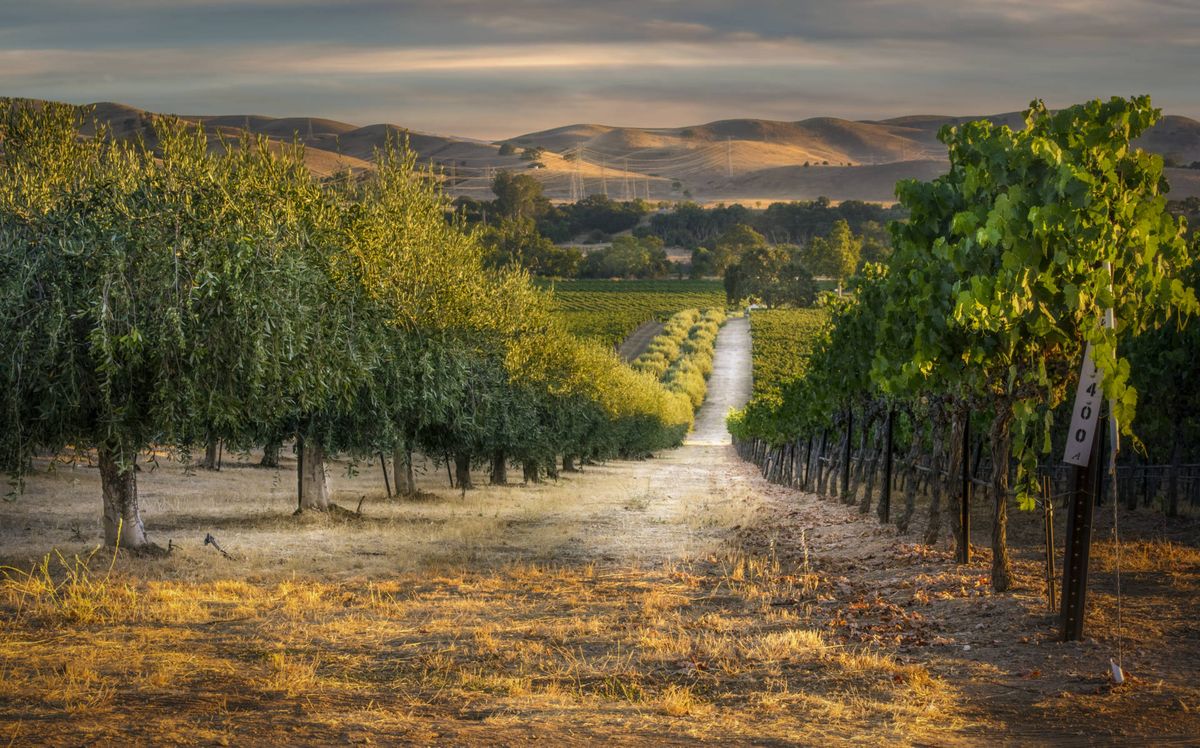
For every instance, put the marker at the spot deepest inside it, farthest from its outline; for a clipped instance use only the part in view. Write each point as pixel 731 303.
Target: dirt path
pixel 728 387
pixel 639 340
pixel 682 503
pixel 677 505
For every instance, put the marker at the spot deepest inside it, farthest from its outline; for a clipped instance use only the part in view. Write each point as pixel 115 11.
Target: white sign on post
pixel 1085 414
pixel 1087 407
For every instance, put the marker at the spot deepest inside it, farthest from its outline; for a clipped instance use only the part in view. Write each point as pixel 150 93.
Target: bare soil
pixel 639 340
pixel 672 600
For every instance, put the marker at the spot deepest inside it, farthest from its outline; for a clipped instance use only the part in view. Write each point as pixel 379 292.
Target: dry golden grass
pixel 670 600
pixel 656 653
pixel 1136 555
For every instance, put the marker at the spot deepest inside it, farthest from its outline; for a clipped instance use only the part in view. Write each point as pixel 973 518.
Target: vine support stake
pixel 386 483
pixel 1048 521
pixel 299 472
pixel 885 501
pixel 846 454
pixel 1084 482
pixel 964 506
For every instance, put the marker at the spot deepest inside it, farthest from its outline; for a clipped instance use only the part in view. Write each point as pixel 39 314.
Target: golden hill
pixel 746 160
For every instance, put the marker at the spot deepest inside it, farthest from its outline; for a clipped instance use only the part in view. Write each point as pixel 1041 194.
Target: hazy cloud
pixel 490 68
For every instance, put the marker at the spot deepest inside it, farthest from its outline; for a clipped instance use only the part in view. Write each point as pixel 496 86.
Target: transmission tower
pixel 580 187
pixel 625 194
pixel 603 179
pixel 729 156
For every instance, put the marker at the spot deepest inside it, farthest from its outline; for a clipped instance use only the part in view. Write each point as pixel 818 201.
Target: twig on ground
pixel 210 540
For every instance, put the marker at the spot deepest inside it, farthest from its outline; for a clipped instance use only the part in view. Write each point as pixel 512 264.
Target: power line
pixel 579 188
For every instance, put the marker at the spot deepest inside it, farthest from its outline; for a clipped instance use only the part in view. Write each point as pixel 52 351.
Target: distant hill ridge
pixel 743 160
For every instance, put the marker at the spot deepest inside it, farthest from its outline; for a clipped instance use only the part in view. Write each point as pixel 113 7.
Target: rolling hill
pixel 744 160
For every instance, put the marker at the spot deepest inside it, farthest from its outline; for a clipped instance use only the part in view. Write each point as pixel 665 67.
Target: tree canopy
pixel 216 289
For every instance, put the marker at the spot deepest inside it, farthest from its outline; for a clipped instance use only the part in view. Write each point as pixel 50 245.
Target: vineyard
pixel 260 427
pixel 681 356
pixel 607 311
pixel 951 371
pixel 782 342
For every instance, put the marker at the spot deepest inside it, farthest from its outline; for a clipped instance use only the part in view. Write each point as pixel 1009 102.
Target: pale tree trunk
pixel 210 455
pixel 1001 447
pixel 462 471
pixel 499 469
pixel 402 472
pixel 122 518
pixel 314 486
pixel 530 469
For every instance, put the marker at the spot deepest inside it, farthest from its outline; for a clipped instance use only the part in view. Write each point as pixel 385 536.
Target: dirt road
pixel 679 504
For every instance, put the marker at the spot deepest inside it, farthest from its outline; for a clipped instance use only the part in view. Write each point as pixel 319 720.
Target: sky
pixel 492 68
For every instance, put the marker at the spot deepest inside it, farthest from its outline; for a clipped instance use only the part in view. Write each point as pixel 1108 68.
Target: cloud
pixel 490 68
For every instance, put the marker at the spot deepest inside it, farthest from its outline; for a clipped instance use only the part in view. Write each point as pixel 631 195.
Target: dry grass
pixel 1139 555
pixel 602 606
pixel 688 650
pixel 671 600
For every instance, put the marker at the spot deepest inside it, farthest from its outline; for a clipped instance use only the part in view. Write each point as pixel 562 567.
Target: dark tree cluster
pixel 692 226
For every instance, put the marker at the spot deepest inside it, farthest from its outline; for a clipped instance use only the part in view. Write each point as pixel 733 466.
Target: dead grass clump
pixel 292 674
pixel 790 644
pixel 78 687
pixel 66 591
pixel 1149 556
pixel 678 701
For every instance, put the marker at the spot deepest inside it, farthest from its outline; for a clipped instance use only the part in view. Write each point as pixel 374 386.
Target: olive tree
pixel 148 298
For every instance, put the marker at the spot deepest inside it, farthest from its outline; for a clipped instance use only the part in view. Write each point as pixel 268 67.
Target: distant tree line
pixel 691 225
pixel 522 228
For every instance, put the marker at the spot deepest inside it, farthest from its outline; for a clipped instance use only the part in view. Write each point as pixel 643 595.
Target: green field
pixel 609 310
pixel 781 340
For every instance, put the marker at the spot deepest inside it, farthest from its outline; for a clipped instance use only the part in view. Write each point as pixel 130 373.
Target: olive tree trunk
pixel 211 459
pixel 270 458
pixel 462 471
pixel 531 472
pixel 499 469
pixel 402 472
pixel 569 464
pixel 122 517
pixel 314 486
